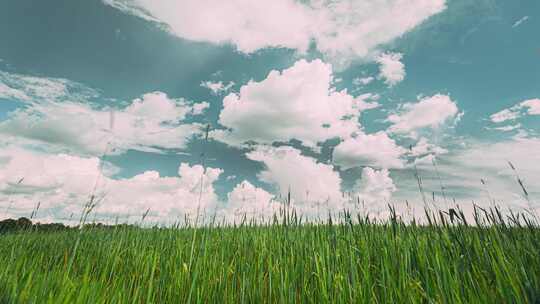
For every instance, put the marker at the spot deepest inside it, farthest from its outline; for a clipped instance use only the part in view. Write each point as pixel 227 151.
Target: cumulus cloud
pixel 375 187
pixel 149 123
pixel 340 29
pixel 391 69
pixel 297 103
pixel 218 87
pixel 429 112
pixel 246 200
pixel 307 179
pixel 63 184
pixel 376 150
pixel 527 107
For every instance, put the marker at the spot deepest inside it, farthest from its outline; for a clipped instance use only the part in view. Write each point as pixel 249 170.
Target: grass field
pixel 287 262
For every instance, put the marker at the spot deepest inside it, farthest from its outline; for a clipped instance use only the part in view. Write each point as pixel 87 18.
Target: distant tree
pixel 23 223
pixel 8 225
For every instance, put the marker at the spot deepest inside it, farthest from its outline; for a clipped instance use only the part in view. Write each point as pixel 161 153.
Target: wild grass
pixel 352 260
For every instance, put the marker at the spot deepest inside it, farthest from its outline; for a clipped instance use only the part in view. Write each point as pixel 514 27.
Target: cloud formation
pixel 297 103
pixel 305 177
pixel 218 87
pixel 429 112
pixel 423 147
pixel 363 80
pixel 63 184
pixel 479 172
pixel 149 123
pixel 375 187
pixel 391 69
pixel 527 107
pixel 339 29
pixel 246 200
pixel 31 89
pixel 376 150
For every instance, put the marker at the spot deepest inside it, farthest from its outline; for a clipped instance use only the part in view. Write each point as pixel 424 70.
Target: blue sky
pixel 321 98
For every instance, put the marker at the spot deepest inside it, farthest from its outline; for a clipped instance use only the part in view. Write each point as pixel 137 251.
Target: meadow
pixel 496 259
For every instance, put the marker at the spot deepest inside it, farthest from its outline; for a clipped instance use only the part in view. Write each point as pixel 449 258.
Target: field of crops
pixel 347 262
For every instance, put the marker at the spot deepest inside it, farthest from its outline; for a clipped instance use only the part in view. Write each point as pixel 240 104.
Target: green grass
pixel 331 263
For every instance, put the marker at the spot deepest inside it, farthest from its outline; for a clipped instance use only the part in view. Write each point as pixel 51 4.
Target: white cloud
pixel 527 107
pixel 152 122
pixel 376 149
pixel 24 88
pixel 423 147
pixel 462 170
pixel 428 112
pixel 520 21
pixel 375 187
pixel 64 183
pixel 297 103
pixel 165 196
pixel 249 25
pixel 7 92
pixel 340 29
pixel 218 87
pixel 354 28
pixel 251 202
pixel 391 69
pixel 199 108
pixel 307 179
pixel 504 115
pixel 532 105
pixel 363 80
pixel 509 128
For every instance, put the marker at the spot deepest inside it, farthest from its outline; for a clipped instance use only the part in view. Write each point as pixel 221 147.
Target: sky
pixel 228 107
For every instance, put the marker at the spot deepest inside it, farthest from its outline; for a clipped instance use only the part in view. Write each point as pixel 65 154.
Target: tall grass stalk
pixel 346 259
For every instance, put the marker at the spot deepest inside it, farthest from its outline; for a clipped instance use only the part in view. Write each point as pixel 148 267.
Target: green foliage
pixel 280 263
pixel 10 225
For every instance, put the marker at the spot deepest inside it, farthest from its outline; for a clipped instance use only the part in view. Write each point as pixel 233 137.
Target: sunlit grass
pixel 338 263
